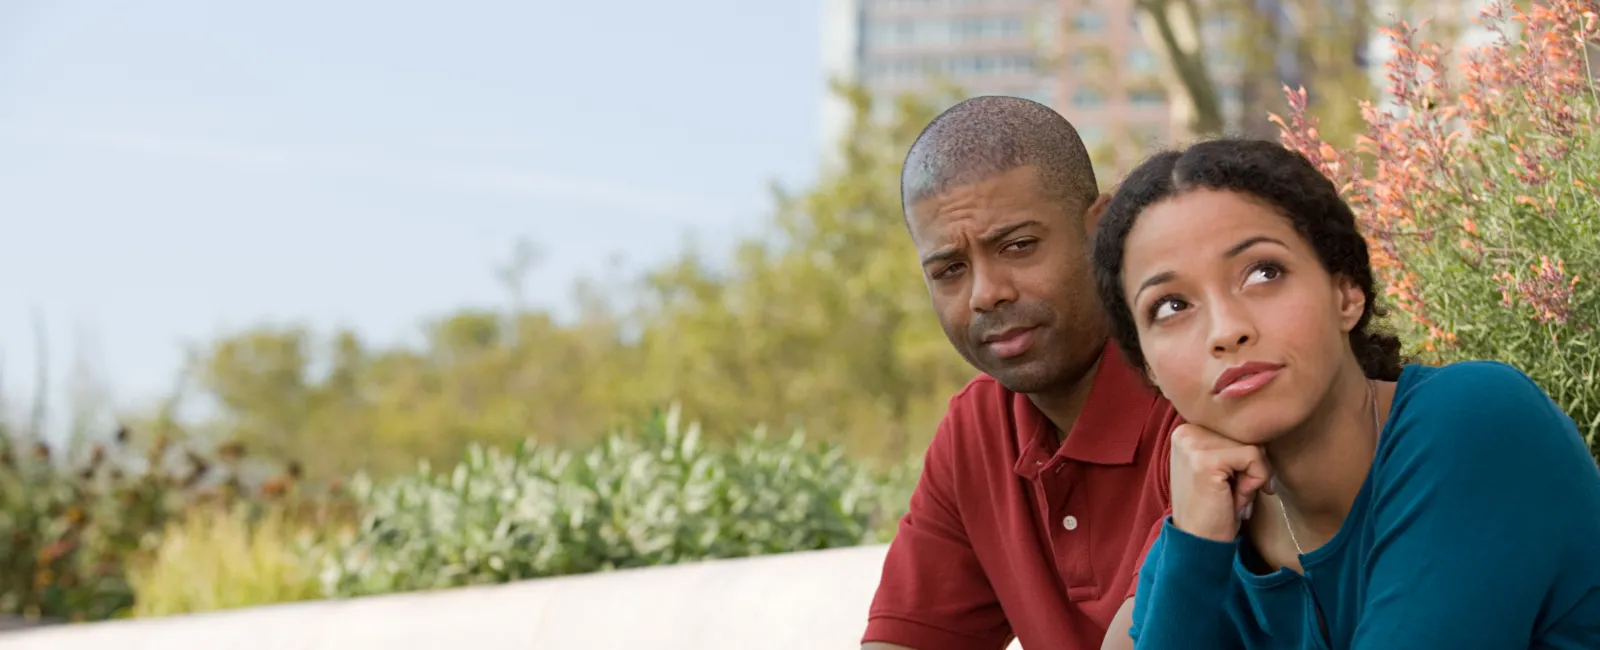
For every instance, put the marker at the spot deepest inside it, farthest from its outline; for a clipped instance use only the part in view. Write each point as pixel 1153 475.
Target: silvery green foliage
pixel 636 498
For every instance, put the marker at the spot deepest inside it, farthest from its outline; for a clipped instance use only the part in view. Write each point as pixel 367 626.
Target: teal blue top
pixel 1478 527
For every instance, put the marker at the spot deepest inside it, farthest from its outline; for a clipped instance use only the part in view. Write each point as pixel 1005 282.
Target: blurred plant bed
pixel 218 558
pixel 196 535
pixel 654 495
pixel 72 529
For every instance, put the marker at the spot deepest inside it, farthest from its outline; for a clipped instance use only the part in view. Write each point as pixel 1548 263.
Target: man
pixel 1045 482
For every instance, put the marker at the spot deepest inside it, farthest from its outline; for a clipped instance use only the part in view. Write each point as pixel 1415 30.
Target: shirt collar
pixel 1108 430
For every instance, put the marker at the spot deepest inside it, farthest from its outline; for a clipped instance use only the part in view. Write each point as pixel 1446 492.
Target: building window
pixel 1142 60
pixel 1080 62
pixel 1091 61
pixel 1147 98
pixel 1088 20
pixel 984 29
pixel 1012 64
pixel 892 32
pixel 966 29
pixel 902 69
pixel 905 69
pixel 1086 97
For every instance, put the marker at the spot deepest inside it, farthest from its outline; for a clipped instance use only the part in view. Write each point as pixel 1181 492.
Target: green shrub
pixel 636 498
pixel 1479 191
pixel 71 528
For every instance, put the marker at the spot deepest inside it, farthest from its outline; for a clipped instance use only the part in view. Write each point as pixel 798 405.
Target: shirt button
pixel 1070 523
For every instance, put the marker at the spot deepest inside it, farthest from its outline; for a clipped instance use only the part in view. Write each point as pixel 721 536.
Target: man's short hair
pixel 986 136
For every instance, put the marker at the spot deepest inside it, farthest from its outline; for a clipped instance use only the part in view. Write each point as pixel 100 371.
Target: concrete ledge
pixel 799 601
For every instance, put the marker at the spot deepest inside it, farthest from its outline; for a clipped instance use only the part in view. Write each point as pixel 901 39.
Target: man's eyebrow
pixel 1000 233
pixel 987 239
pixel 940 256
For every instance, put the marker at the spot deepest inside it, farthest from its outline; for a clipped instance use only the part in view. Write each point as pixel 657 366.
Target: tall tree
pixel 1173 28
pixel 1320 44
pixel 820 322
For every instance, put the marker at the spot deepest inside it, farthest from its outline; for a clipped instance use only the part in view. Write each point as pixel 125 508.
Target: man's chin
pixel 1027 377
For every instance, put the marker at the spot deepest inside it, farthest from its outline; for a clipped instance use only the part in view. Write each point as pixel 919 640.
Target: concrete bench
pixel 799 601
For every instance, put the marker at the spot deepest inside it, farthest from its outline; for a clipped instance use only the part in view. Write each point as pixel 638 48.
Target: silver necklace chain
pixel 1372 401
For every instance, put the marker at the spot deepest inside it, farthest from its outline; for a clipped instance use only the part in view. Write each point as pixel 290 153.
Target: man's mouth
pixel 1010 342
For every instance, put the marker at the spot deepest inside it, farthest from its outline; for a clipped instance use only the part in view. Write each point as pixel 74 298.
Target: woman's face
pixel 1241 327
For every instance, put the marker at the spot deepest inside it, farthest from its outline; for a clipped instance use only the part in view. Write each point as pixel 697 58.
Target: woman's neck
pixel 1320 467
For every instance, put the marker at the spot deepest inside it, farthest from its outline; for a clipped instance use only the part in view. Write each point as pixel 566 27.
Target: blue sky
pixel 175 169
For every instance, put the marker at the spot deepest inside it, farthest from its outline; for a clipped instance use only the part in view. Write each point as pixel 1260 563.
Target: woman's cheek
pixel 1178 369
pixel 1299 322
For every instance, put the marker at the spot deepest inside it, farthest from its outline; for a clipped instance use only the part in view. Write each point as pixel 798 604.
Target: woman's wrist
pixel 1191 548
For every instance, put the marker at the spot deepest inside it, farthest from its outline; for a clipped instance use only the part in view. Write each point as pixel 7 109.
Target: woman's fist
pixel 1214 481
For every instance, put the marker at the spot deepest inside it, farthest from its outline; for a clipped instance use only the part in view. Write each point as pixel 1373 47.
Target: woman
pixel 1324 493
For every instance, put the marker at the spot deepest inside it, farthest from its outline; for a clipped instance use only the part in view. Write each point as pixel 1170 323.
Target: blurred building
pixel 1085 58
pixel 1088 59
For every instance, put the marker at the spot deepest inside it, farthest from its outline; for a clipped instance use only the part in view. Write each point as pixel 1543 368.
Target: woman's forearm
pixel 1184 608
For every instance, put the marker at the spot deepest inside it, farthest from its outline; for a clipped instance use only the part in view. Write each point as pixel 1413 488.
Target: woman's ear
pixel 1352 302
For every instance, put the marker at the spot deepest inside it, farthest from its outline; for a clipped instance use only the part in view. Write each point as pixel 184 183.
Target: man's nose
pixel 991 287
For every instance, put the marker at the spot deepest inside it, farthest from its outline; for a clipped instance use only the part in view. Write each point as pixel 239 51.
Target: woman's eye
pixel 1263 273
pixel 1167 307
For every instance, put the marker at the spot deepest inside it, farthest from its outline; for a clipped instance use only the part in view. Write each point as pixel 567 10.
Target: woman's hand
pixel 1214 481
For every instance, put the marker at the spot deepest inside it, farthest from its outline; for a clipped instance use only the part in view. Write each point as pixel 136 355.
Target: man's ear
pixel 1091 217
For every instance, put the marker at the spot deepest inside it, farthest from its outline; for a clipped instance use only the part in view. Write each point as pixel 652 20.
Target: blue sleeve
pixel 1147 585
pixel 1183 588
pixel 1482 493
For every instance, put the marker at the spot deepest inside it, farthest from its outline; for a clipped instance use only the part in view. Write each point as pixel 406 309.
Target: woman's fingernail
pixel 1249 509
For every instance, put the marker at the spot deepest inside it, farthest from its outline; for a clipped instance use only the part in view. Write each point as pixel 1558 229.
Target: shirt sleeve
pixel 1163 488
pixel 934 594
pixel 1181 594
pixel 1144 554
pixel 1481 500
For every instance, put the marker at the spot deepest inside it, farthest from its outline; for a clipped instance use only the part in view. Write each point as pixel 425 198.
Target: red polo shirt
pixel 1012 534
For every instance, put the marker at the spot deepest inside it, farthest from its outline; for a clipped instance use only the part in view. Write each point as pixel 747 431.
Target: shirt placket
pixel 1068 521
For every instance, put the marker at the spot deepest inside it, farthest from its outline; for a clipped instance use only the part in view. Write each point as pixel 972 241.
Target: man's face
pixel 1007 268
